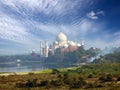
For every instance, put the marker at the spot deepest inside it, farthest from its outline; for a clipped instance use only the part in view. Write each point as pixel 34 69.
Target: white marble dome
pixel 61 37
pixel 78 45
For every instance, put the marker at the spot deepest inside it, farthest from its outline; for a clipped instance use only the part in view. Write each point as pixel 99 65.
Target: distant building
pixel 41 49
pixel 62 43
pixel 33 54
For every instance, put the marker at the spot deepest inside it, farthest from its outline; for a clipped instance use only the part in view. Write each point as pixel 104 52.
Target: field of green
pixel 105 76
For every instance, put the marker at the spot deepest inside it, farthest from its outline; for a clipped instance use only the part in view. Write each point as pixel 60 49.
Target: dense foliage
pixel 79 56
pixel 112 57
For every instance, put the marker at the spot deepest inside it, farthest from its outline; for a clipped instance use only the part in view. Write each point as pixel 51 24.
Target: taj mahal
pixel 62 43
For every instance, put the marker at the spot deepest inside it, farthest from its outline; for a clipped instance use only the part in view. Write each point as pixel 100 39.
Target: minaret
pixel 83 43
pixel 46 48
pixel 41 52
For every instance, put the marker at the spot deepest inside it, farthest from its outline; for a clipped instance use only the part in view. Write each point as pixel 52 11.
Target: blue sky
pixel 23 23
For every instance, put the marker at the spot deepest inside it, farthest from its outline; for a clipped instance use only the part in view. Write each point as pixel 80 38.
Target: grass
pixel 67 78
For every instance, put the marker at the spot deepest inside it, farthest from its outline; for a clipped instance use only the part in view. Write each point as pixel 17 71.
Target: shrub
pixel 98 86
pixel 90 85
pixel 34 82
pixel 68 81
pixel 79 70
pixel 20 85
pixel 78 83
pixel 56 82
pixel 29 84
pixel 55 71
pixel 2 77
pixel 109 77
pixel 60 76
pixel 44 83
pixel 118 79
pixel 102 78
pixel 90 76
pixel 82 82
pixel 65 76
pixel 81 79
pixel 30 73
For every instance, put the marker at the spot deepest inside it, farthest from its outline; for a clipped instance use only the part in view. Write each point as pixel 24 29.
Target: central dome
pixel 61 37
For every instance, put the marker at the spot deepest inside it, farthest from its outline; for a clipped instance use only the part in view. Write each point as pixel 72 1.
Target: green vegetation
pixel 92 76
pixel 79 56
pixel 112 57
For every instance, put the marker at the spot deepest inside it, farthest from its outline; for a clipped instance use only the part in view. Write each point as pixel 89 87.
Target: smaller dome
pixel 78 45
pixel 68 41
pixel 56 42
pixel 66 45
pixel 72 43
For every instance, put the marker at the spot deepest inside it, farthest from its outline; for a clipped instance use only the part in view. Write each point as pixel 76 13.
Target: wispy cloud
pixel 23 23
pixel 94 15
pixel 117 33
pixel 11 29
pixel 14 35
pixel 44 6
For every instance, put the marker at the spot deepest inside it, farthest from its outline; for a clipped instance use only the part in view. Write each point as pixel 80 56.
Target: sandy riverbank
pixel 24 73
pixel 35 72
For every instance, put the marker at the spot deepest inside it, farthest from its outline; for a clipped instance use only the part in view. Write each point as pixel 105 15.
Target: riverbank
pixel 25 73
pixel 35 72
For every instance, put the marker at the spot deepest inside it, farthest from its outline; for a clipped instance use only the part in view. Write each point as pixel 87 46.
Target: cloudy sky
pixel 23 23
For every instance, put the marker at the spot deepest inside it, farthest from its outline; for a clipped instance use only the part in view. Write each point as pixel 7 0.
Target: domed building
pixel 62 43
pixel 61 39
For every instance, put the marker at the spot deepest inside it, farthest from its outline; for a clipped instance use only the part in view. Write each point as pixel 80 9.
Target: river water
pixel 21 66
pixel 26 66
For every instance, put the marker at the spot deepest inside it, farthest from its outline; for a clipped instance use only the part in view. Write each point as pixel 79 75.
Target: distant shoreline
pixel 21 73
pixel 32 72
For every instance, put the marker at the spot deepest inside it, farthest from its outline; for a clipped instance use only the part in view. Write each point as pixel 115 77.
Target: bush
pixel 34 82
pixel 44 83
pixel 81 79
pixel 118 79
pixel 109 78
pixel 99 86
pixel 77 83
pixel 68 81
pixel 30 73
pixel 102 78
pixel 82 82
pixel 29 84
pixel 65 76
pixel 79 70
pixel 60 76
pixel 90 76
pixel 20 85
pixel 56 82
pixel 55 71
pixel 90 85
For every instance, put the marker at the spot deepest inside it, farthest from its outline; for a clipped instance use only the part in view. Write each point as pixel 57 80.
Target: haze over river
pixel 21 66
